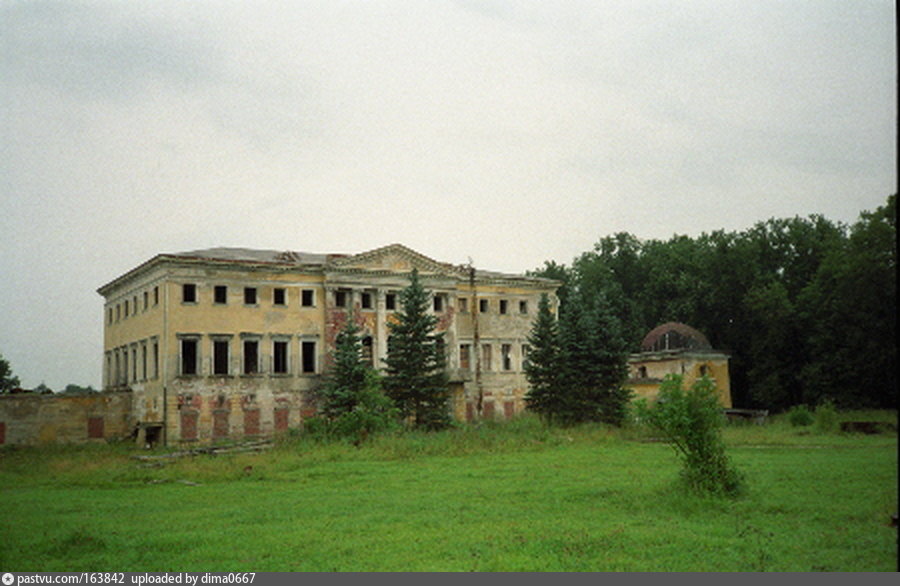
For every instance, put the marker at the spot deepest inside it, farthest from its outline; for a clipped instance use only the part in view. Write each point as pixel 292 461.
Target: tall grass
pixel 494 497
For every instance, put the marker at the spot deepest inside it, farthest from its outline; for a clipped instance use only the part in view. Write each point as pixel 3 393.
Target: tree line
pixel 806 307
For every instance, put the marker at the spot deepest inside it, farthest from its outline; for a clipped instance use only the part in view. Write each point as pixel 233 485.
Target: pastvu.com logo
pixel 8 579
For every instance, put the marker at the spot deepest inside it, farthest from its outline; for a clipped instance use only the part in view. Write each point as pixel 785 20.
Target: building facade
pixel 676 348
pixel 230 343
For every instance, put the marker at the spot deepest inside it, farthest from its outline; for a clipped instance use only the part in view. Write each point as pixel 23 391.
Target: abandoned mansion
pixel 230 342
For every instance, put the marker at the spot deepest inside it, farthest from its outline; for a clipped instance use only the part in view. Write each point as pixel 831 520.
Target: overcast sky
pixel 506 131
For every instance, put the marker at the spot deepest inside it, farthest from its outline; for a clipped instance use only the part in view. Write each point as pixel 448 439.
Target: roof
pixel 326 261
pixel 674 336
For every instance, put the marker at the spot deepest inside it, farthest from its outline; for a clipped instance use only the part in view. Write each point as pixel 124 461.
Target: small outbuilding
pixel 677 348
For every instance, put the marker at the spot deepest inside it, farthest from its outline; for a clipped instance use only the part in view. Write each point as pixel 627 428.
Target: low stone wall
pixel 29 419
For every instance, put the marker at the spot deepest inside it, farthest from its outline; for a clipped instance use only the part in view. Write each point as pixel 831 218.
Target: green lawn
pixel 514 498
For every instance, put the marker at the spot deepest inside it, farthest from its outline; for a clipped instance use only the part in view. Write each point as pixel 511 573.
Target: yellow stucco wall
pixel 645 384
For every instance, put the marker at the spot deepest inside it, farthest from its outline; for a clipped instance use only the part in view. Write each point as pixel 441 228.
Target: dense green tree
pixel 351 402
pixel 416 376
pixel 542 367
pixel 8 381
pixel 850 310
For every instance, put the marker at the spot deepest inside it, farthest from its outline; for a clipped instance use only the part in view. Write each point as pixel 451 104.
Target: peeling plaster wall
pixel 29 419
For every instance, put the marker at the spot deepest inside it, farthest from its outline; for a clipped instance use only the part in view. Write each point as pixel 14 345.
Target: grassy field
pixel 518 497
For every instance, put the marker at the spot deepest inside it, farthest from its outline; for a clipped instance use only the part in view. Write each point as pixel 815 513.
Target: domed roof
pixel 674 336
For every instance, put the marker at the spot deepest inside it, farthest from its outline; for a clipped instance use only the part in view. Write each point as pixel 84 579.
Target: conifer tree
pixel 416 377
pixel 347 376
pixel 542 368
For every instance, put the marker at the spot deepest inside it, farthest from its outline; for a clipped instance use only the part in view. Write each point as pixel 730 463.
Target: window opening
pixel 280 357
pixel 188 293
pixel 249 295
pixel 504 305
pixel 279 296
pixel 307 298
pixel 221 294
pixel 251 357
pixel 188 356
pixel 220 357
pixel 308 351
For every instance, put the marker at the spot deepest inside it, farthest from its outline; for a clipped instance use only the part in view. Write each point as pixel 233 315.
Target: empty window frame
pixel 126 308
pixel 390 301
pixel 438 303
pixel 279 296
pixel 504 306
pixel 463 303
pixel 280 354
pixel 156 295
pixel 249 295
pixel 483 305
pixel 341 298
pixel 367 354
pixel 251 356
pixel 366 300
pixel 118 312
pixel 486 356
pixel 189 293
pixel 308 298
pixel 506 356
pixel 189 356
pixel 220 294
pixel 308 356
pixel 155 359
pixel 523 307
pixel 221 356
pixel 110 315
pixel 524 356
pixel 146 300
pixel 465 351
pixel 134 362
pixel 144 371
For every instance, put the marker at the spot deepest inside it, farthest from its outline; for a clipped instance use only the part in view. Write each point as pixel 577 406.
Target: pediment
pixel 395 258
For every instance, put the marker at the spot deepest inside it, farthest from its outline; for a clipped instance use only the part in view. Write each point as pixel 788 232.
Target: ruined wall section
pixel 32 419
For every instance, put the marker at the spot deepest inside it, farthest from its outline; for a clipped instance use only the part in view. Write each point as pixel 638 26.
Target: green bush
pixel 827 417
pixel 800 416
pixel 692 422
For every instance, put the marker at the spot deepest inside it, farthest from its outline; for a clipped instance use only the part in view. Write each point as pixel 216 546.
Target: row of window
pixel 249 295
pixel 247 358
pixel 507 357
pixel 133 363
pixel 130 307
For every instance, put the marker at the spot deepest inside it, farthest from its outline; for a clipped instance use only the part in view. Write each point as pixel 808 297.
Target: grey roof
pixel 253 255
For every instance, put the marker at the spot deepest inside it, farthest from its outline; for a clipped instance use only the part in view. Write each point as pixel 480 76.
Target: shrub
pixel 692 423
pixel 826 417
pixel 800 416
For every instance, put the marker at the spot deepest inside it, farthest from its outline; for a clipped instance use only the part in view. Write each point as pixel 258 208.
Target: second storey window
pixel 220 357
pixel 280 357
pixel 390 301
pixel 250 295
pixel 189 356
pixel 220 294
pixel 279 296
pixel 307 298
pixel 189 293
pixel 308 356
pixel 251 356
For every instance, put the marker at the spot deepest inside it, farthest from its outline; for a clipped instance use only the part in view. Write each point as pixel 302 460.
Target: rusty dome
pixel 674 336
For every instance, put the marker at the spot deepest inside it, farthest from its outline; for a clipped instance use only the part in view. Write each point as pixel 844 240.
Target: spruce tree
pixel 416 377
pixel 346 378
pixel 542 368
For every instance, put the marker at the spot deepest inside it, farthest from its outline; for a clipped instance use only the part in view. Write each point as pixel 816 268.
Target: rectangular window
pixel 220 294
pixel 524 356
pixel 463 305
pixel 155 360
pixel 143 360
pixel 251 356
pixel 506 356
pixel 366 301
pixel 134 305
pixel 189 356
pixel 189 293
pixel 308 356
pixel 146 300
pixel 523 307
pixel 134 363
pixel 280 357
pixel 483 305
pixel 279 296
pixel 110 315
pixel 249 295
pixel 486 356
pixel 340 298
pixel 126 308
pixel 307 298
pixel 504 306
pixel 118 312
pixel 390 301
pixel 220 357
pixel 156 296
pixel 438 303
pixel 464 359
